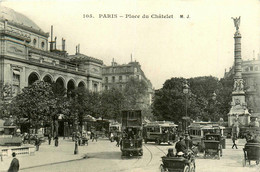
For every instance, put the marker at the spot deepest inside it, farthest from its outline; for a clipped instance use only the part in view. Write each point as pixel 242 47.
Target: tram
pixel 131 143
pixel 198 130
pixel 160 132
pixel 114 131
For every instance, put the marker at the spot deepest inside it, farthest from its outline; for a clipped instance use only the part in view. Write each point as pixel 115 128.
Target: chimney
pixel 112 62
pixel 78 48
pixel 55 40
pixel 51 43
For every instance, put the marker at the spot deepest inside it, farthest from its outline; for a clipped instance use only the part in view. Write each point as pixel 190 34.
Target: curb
pixel 53 163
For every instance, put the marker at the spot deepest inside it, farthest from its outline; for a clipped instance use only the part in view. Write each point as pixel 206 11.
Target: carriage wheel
pixel 219 154
pixel 158 141
pixel 161 168
pixel 145 141
pixel 204 155
pixel 244 162
pixel 192 168
pixel 141 153
pixel 186 168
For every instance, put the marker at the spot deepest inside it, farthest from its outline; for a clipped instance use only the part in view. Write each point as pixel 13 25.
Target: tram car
pixel 114 131
pixel 198 130
pixel 160 132
pixel 131 143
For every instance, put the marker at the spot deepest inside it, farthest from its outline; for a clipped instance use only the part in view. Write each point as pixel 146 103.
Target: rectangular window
pixel 120 78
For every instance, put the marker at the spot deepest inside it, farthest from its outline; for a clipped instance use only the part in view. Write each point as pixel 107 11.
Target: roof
pixel 81 58
pixel 18 18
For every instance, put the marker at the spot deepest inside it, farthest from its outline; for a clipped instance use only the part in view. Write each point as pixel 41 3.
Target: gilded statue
pixel 236 22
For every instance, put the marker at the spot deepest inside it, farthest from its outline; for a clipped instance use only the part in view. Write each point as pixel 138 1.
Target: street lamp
pixel 186 91
pixel 212 106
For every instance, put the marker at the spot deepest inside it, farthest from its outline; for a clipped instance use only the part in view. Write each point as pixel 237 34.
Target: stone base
pixel 243 120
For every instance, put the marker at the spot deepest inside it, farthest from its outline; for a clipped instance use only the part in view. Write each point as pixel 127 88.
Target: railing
pixel 23 150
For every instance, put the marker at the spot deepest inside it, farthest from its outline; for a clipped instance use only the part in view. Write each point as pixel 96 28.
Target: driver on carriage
pixel 181 146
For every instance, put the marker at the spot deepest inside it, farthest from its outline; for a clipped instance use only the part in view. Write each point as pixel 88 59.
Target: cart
pixel 251 153
pixel 178 164
pixel 213 145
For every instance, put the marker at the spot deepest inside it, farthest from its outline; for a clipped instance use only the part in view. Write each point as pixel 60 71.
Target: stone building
pixel 25 57
pixel 117 75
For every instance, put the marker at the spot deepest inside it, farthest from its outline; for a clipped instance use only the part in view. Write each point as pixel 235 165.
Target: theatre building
pixel 25 57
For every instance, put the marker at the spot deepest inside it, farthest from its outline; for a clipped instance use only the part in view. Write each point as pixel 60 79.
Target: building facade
pixel 117 75
pixel 25 57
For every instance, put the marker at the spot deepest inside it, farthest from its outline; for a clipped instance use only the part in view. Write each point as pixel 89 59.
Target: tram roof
pixel 206 125
pixel 162 123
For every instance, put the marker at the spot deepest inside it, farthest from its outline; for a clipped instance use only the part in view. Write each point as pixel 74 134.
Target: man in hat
pixel 14 166
pixel 181 146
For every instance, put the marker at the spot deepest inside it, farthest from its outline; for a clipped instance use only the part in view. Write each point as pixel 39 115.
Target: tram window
pixel 156 129
pixel 199 132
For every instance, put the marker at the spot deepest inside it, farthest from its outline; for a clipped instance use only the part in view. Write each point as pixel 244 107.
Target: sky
pixel 199 44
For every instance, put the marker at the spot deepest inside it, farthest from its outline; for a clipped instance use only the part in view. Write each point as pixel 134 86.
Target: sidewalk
pixel 47 155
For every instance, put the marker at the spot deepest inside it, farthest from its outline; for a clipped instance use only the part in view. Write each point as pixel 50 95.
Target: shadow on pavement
pixel 162 144
pixel 105 155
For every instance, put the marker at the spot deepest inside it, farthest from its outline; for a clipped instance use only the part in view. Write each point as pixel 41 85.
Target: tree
pixel 112 102
pixel 83 103
pixel 170 101
pixel 135 92
pixel 35 103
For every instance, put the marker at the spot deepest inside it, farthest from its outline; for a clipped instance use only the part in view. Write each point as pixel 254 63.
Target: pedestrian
pixel 49 138
pixel 76 150
pixel 234 138
pixel 14 166
pixel 56 141
pixel 92 136
pixel 37 143
pixel 1 155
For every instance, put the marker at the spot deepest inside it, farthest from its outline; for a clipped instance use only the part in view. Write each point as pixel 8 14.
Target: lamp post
pixel 212 106
pixel 186 91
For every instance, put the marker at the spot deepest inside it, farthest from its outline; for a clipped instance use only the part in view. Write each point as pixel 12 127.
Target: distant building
pixel 251 77
pixel 118 76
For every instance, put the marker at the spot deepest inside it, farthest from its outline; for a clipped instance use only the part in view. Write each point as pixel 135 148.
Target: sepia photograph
pixel 129 85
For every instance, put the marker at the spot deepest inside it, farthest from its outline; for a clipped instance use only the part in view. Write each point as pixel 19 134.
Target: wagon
pixel 251 153
pixel 177 164
pixel 213 145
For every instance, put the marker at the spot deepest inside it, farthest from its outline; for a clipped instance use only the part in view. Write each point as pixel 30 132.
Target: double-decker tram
pixel 131 143
pixel 160 132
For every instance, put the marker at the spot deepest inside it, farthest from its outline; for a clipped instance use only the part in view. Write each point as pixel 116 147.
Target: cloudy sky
pixel 199 45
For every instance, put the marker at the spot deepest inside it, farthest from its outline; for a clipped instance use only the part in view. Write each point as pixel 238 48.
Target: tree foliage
pixel 35 103
pixel 170 102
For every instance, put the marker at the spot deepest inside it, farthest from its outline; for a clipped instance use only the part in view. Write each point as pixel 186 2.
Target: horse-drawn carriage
pixel 251 153
pixel 185 163
pixel 213 145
